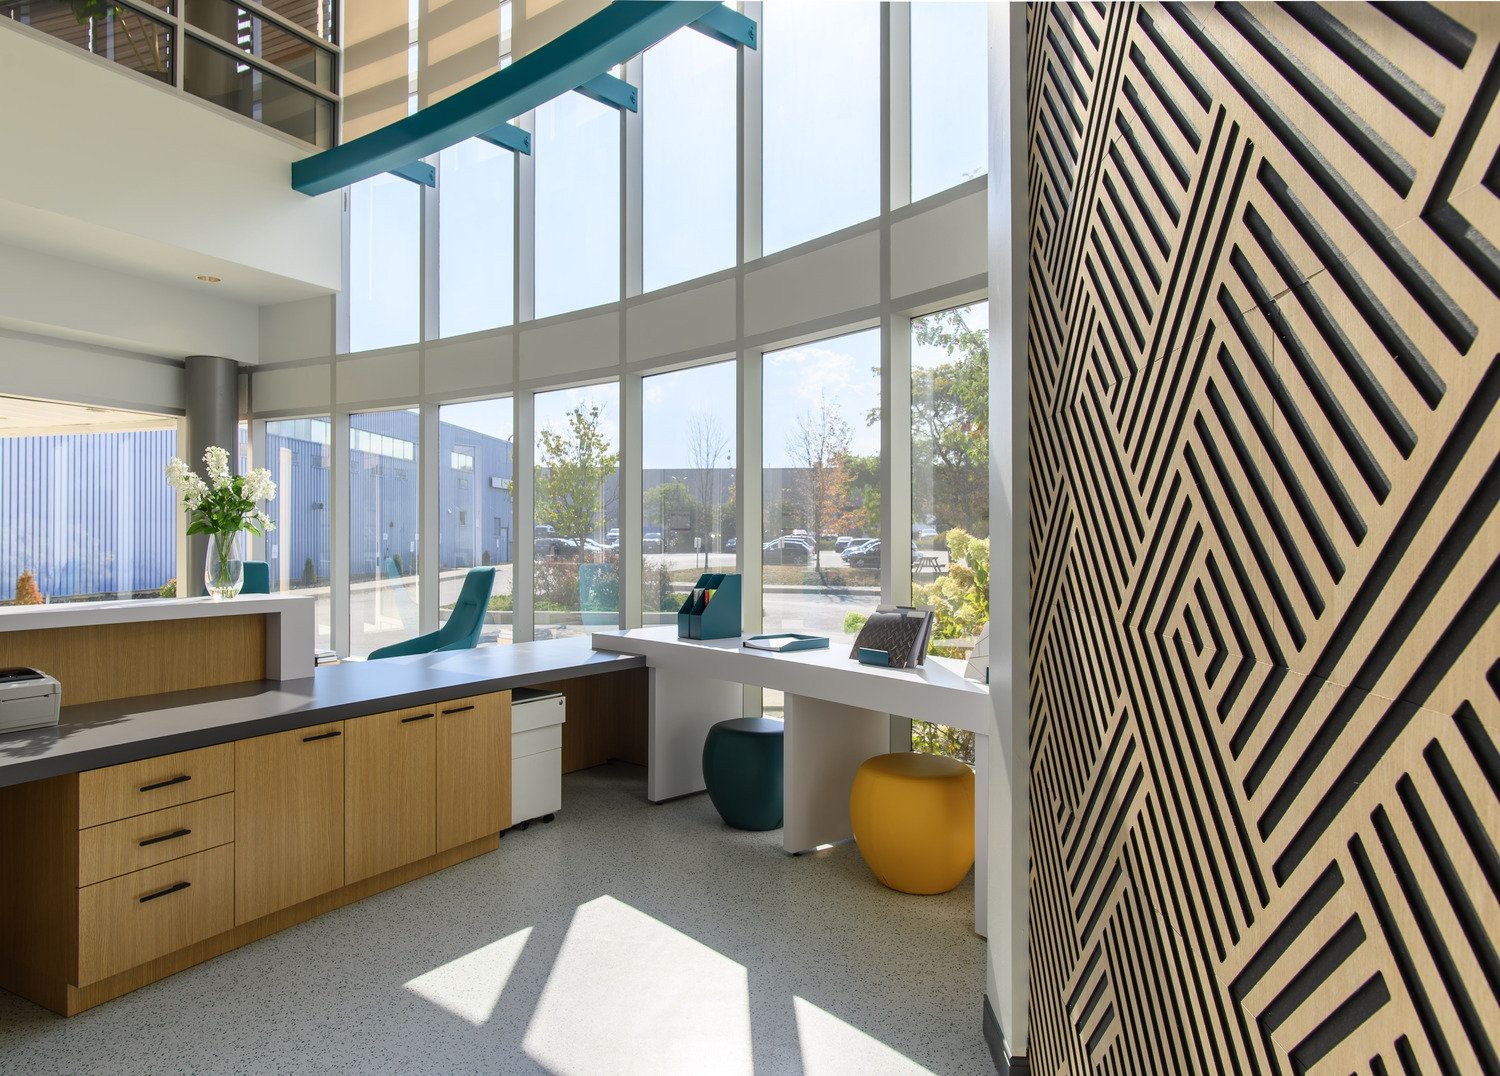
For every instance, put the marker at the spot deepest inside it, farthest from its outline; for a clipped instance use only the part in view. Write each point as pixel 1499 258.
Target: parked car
pixel 651 541
pixel 553 546
pixel 731 545
pixel 843 542
pixel 788 549
pixel 863 555
pixel 591 546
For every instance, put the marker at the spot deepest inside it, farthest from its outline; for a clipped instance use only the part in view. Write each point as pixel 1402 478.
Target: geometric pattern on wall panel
pixel 1264 320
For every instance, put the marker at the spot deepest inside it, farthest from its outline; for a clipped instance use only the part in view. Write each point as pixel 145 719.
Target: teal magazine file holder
pixel 713 615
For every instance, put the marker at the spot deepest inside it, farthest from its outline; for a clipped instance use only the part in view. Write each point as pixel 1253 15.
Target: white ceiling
pixel 32 418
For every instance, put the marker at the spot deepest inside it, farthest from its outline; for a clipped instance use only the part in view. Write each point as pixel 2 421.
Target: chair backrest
pixel 257 578
pixel 467 618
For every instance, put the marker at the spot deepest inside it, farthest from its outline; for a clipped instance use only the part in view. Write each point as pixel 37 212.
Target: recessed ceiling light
pixel 209 279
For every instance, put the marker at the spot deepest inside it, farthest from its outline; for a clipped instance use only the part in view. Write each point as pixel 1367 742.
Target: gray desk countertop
pixel 124 730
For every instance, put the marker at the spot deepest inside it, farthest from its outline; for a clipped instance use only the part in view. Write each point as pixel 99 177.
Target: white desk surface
pixel 936 691
pixel 143 610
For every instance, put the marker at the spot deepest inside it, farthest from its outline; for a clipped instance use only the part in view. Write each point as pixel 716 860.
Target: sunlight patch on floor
pixel 470 986
pixel 830 1047
pixel 630 995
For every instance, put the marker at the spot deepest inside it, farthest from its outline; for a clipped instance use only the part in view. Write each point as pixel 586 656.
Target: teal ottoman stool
pixel 742 769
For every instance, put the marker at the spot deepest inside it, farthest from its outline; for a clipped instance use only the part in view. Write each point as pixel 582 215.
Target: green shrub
pixel 309 573
pixel 168 589
pixel 853 622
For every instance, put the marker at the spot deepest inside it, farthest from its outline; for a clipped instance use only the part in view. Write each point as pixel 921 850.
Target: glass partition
pixel 949 95
pixel 129 37
pixel 576 572
pixel 247 29
pixel 688 133
pixel 821 119
pixel 385 217
pixel 821 543
pixel 577 149
pixel 298 551
pixel 384 475
pixel 950 484
pixel 216 76
pixel 476 475
pixel 688 432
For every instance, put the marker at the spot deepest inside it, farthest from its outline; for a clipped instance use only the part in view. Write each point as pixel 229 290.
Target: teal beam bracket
pixel 593 47
pixel 728 26
pixel 419 172
pixel 507 136
pixel 611 91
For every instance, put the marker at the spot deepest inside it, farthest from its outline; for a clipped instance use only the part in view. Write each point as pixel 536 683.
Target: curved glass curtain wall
pixel 476 518
pixel 575 573
pixel 688 129
pixel 821 112
pixel 577 148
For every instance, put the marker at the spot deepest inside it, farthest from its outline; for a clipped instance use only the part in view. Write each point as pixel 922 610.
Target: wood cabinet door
pixel 473 768
pixel 390 799
pixel 288 819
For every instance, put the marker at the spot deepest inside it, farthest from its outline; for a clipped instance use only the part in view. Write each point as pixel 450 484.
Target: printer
pixel 29 699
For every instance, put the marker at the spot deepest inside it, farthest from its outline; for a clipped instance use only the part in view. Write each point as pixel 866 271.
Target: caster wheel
pixel 503 832
pixel 796 855
pixel 548 817
pixel 526 824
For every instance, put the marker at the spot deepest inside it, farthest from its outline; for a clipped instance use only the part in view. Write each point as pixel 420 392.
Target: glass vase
pixel 224 567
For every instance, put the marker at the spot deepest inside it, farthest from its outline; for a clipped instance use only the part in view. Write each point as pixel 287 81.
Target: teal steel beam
pixel 611 91
pixel 596 45
pixel 508 137
pixel 728 26
pixel 419 172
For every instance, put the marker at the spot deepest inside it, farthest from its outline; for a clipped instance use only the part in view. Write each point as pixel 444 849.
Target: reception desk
pixel 151 831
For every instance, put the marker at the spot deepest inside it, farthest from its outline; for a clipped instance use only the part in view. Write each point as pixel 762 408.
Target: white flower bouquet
pixel 222 510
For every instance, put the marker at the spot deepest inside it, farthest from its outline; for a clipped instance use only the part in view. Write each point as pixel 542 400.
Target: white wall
pixel 112 167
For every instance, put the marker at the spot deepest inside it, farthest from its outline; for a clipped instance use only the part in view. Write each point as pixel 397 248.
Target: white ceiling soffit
pixel 41 418
pixel 78 240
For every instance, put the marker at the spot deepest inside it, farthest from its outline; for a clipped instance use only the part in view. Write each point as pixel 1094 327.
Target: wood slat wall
pixel 1265 464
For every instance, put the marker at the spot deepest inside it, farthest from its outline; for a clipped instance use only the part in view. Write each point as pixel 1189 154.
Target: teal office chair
pixel 257 578
pixel 461 632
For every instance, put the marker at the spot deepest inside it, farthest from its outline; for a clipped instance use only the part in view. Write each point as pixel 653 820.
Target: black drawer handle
pixel 164 784
pixel 419 717
pixel 458 709
pixel 178 888
pixel 322 736
pixel 165 837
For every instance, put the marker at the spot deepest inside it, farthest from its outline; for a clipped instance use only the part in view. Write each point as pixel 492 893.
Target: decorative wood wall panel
pixel 1265 450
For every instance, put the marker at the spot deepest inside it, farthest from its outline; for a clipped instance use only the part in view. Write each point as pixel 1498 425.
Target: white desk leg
pixel 981 834
pixel 824 745
pixel 683 708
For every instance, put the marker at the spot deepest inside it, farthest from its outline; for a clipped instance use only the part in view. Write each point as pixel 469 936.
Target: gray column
pixel 212 384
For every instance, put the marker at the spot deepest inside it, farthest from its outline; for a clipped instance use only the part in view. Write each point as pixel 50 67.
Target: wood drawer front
pixel 133 844
pixel 133 788
pixel 118 930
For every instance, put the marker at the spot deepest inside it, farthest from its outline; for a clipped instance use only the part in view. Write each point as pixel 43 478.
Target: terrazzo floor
pixel 624 938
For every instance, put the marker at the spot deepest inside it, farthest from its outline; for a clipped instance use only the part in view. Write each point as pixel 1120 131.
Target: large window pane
pixel 949 95
pixel 577 148
pixel 384 262
pixel 687 483
pixel 950 484
pixel 297 551
pixel 821 536
pixel 688 130
pixel 86 515
pixel 476 237
pixel 822 119
pixel 384 475
pixel 245 29
pixel 577 506
pixel 476 481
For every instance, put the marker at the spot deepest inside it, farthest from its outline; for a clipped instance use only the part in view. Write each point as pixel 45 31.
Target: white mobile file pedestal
pixel 536 721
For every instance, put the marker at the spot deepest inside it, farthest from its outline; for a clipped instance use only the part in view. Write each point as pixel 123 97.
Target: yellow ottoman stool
pixel 913 818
